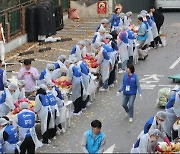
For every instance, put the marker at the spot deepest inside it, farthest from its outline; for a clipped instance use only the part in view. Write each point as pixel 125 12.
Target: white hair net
pixel 143 11
pixel 72 59
pixel 108 36
pixel 103 30
pixel 62 57
pixel 154 132
pixel 121 15
pixel 161 115
pixel 67 62
pixel 12 86
pixel 97 45
pixel 118 28
pixel 50 66
pixel 3 121
pixel 35 88
pixel 50 84
pixel 104 21
pixel 125 28
pixel 24 105
pixel 43 86
pixel 22 82
pixel 129 13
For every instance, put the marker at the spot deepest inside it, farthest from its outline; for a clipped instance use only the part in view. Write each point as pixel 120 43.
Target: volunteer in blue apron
pixel 99 36
pixel 87 48
pixel 75 77
pixel 54 108
pixel 131 41
pixel 6 100
pixel 112 52
pixel 104 23
pixel 104 62
pixel 3 78
pixel 20 91
pixel 25 123
pixel 77 50
pixel 127 19
pixel 60 62
pixel 129 87
pixel 46 74
pixel 122 42
pixel 141 38
pixel 8 136
pixel 115 19
pixel 85 79
pixel 148 143
pixel 43 110
pixel 60 104
pixel 94 140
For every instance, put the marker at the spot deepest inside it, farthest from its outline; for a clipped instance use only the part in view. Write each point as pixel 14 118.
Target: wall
pixel 89 9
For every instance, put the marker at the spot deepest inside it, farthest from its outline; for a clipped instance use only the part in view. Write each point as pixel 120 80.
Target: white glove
pixel 140 95
pixel 118 93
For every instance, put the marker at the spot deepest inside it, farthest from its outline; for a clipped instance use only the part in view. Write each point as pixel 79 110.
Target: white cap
pixel 143 14
pixel 67 62
pixel 108 36
pixel 24 105
pixel 143 11
pixel 161 115
pixel 118 28
pixel 154 132
pixel 103 30
pixel 43 86
pixel 12 86
pixel 50 84
pixel 140 15
pixel 97 45
pixel 62 57
pixel 22 82
pixel 35 88
pixel 3 122
pixel 129 13
pixel 50 66
pixel 104 21
pixel 82 43
pixel 121 15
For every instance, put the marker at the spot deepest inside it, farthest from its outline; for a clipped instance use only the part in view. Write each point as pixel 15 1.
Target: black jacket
pixel 159 18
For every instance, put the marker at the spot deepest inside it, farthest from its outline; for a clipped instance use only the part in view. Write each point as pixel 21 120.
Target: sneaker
pixel 88 103
pixel 54 138
pixel 84 109
pixel 121 71
pixel 130 120
pixel 160 45
pixel 49 141
pixel 58 132
pixel 77 114
pixel 112 85
pixel 63 130
pixel 103 89
pixel 116 81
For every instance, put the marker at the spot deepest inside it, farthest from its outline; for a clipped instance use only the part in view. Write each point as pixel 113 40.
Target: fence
pixel 12 16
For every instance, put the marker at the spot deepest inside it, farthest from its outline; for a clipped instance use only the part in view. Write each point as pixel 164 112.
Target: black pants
pixel 85 102
pixel 130 61
pixel 112 76
pixel 27 146
pixel 157 40
pixel 46 134
pixel 152 44
pixel 78 102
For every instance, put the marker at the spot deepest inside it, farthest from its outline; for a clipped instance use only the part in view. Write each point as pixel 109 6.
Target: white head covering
pixel 62 57
pixel 176 106
pixel 50 66
pixel 161 115
pixel 50 84
pixel 43 86
pixel 22 82
pixel 3 122
pixel 108 36
pixel 72 59
pixel 154 132
pixel 125 28
pixel 35 88
pixel 129 13
pixel 118 29
pixel 143 14
pixel 12 86
pixel 82 43
pixel 103 30
pixel 88 42
pixel 97 45
pixel 121 15
pixel 139 16
pixel 24 105
pixel 67 62
pixel 143 11
pixel 104 21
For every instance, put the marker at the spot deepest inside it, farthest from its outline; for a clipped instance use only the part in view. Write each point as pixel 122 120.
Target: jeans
pixel 128 104
pixel 124 65
pixel 105 84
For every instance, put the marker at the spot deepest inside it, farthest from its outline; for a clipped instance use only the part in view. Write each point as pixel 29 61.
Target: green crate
pixel 14 19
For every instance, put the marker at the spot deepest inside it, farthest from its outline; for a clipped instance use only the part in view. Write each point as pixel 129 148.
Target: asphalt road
pixel 107 106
